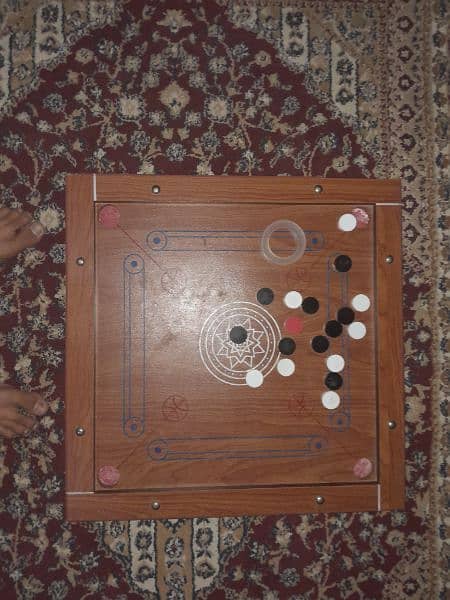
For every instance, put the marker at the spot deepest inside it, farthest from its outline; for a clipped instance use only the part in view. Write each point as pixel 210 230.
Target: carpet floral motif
pixel 285 88
pixel 35 34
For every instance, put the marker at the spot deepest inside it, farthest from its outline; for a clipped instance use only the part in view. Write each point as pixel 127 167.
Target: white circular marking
pixel 335 363
pixel 361 302
pixel 254 378
pixel 347 222
pixel 286 367
pixel 229 362
pixel 357 330
pixel 330 400
pixel 293 299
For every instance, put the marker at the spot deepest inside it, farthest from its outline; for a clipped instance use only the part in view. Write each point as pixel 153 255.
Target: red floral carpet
pixel 334 89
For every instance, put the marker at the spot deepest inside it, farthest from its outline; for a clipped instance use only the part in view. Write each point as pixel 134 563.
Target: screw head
pixel 156 189
pixel 389 259
pixel 318 189
pixel 80 431
pixel 320 499
pixel 155 505
pixel 80 261
pixel 392 424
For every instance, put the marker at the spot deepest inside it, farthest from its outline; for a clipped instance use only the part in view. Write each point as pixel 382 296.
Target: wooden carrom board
pixel 234 346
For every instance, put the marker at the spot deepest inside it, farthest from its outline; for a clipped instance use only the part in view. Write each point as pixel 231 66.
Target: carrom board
pixel 234 346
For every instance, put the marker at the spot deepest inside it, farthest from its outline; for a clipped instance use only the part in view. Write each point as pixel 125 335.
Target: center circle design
pixel 229 361
pixel 238 335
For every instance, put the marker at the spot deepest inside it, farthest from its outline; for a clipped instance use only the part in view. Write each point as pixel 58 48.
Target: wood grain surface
pixel 154 379
pixel 390 358
pixel 241 189
pixel 160 322
pixel 80 359
pixel 103 506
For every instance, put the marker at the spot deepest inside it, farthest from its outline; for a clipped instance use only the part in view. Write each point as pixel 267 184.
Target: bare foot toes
pixel 40 408
pixel 17 232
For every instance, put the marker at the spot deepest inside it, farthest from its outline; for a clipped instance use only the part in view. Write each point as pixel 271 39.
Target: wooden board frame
pixel 82 503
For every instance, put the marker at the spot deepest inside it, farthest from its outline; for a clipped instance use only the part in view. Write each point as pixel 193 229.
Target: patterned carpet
pixel 337 89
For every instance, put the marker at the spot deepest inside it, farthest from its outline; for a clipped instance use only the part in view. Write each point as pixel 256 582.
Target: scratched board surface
pixel 208 372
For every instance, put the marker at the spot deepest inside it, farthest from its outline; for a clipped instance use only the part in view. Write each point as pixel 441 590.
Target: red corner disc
pixel 109 216
pixel 108 476
pixel 363 468
pixel 362 218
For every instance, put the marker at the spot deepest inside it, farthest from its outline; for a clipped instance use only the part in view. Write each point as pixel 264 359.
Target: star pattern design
pixel 240 355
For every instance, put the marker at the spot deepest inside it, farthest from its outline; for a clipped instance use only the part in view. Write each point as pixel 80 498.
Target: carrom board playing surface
pixel 233 346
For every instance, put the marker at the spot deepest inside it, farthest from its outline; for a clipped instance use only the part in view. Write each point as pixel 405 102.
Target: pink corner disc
pixel 363 468
pixel 108 476
pixel 362 218
pixel 108 216
pixel 293 325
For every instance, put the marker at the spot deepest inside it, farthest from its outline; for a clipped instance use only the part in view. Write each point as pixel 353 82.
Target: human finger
pixel 7 432
pixel 19 220
pixel 4 212
pixel 27 421
pixel 32 402
pixel 11 215
pixel 28 236
pixel 17 428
